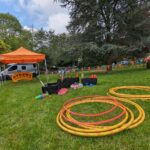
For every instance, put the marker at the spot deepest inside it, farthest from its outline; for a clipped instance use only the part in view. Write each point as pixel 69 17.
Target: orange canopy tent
pixel 21 55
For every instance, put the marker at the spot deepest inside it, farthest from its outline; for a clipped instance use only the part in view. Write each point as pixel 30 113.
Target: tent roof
pixel 21 55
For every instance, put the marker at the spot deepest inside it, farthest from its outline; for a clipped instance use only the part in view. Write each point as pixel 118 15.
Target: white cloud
pixel 27 28
pixel 47 14
pixel 36 5
pixel 30 28
pixel 58 22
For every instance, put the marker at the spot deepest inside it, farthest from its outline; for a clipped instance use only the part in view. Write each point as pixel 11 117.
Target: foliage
pixel 4 47
pixel 115 22
pixel 24 40
pixel 105 17
pixel 134 27
pixel 111 53
pixel 50 44
pixel 9 25
pixel 12 33
pixel 101 32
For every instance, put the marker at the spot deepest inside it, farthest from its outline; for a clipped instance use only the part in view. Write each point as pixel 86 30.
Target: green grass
pixel 29 124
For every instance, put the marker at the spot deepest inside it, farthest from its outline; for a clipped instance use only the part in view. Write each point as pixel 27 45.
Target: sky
pixel 45 14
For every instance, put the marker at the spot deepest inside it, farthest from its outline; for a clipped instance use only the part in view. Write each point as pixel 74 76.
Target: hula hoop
pixel 67 123
pixel 113 92
pixel 93 123
pixel 141 112
pixel 85 129
pixel 95 132
pixel 90 115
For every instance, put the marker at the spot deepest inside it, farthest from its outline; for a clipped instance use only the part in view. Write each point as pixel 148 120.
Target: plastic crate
pixel 89 81
pixel 67 82
pixel 51 88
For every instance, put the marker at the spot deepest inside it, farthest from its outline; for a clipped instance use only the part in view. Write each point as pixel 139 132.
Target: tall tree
pixel 117 22
pixel 4 47
pixel 23 39
pixel 101 16
pixel 41 40
pixel 9 25
pixel 12 34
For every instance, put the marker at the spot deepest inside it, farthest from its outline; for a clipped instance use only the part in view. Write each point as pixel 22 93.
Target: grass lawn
pixel 29 124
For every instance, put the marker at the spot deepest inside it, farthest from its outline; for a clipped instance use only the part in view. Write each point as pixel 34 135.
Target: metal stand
pixel 46 71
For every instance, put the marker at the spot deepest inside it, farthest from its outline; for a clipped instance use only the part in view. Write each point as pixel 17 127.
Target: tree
pixel 102 15
pixel 4 47
pixel 133 28
pixel 42 41
pixel 109 24
pixel 12 33
pixel 24 40
pixel 9 25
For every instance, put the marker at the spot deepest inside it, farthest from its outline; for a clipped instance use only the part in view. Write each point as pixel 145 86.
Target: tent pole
pixel 38 77
pixel 46 70
pixel 4 77
pixel 38 67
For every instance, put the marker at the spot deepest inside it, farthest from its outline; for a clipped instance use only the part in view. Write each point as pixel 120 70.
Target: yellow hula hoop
pixel 113 92
pixel 91 127
pixel 128 121
pixel 122 97
pixel 136 121
pixel 141 115
pixel 95 130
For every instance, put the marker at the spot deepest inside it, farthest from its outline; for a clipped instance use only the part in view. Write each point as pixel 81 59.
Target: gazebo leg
pixel 46 70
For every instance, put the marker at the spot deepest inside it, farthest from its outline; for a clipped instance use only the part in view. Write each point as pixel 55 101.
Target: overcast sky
pixel 39 13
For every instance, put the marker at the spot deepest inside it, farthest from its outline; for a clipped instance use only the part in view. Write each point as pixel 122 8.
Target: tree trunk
pixel 109 68
pixel 148 65
pixel 108 39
